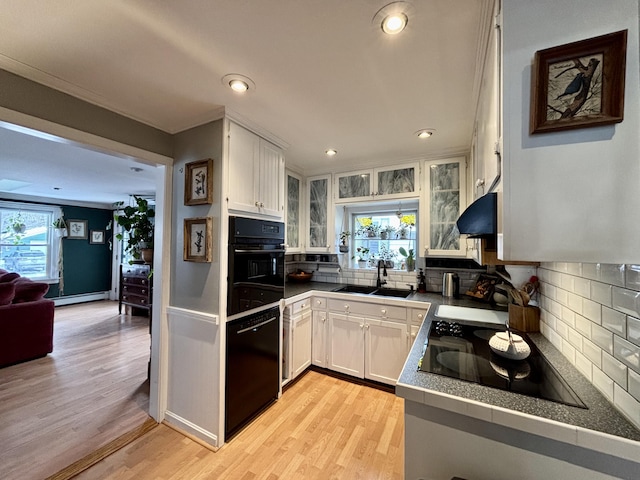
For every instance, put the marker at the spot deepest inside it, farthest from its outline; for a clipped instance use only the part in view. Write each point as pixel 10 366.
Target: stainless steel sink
pixel 355 289
pixel 392 292
pixel 383 292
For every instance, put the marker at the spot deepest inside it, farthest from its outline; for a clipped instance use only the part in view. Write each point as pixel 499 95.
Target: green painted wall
pixel 87 267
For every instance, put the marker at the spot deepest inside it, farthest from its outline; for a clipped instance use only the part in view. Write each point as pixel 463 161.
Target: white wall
pixel 195 366
pixel 574 195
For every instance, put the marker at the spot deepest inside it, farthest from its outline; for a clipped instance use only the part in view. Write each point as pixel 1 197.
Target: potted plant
pixel 410 260
pixel 361 255
pixel 60 227
pixel 386 232
pixel 387 255
pixel 344 239
pixel 137 221
pixel 407 222
pixel 17 224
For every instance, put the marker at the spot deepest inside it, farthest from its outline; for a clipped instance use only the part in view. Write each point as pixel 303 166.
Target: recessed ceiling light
pixel 238 86
pixel 238 83
pixel 392 18
pixel 331 152
pixel 425 132
pixel 394 23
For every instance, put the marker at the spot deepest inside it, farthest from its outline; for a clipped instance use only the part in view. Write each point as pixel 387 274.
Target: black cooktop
pixel 462 351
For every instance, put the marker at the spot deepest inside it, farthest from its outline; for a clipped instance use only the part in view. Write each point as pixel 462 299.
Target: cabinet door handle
pixel 367 326
pixel 383 311
pixel 346 307
pixel 318 302
pixel 362 325
pixel 257 204
pixel 420 316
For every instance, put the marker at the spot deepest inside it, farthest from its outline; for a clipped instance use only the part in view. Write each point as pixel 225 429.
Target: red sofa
pixel 26 319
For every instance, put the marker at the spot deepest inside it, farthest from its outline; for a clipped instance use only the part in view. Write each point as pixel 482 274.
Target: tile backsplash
pixel 591 313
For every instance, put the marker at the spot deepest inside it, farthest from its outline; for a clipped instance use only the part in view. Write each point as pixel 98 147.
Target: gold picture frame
pixel 198 239
pixel 198 182
pixel 578 85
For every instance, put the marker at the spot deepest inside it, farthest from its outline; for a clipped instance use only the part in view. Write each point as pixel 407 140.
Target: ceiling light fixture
pixel 394 23
pixel 425 132
pixel 331 152
pixel 238 83
pixel 136 169
pixel 392 18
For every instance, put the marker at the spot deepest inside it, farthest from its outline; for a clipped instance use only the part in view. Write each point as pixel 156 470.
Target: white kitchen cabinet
pixel 367 340
pixel 301 342
pixel 445 200
pixel 385 350
pixel 320 225
pixel 297 333
pixel 346 344
pixel 401 181
pixel 319 335
pixel 256 174
pixel 293 212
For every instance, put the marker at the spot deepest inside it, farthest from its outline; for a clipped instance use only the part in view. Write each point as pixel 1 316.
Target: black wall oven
pixel 256 264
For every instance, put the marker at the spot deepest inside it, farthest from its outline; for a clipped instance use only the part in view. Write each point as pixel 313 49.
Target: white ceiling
pixel 325 75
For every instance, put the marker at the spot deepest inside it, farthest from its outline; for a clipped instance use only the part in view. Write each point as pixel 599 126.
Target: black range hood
pixel 480 219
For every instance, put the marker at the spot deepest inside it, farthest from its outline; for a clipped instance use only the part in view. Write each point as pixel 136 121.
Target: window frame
pixel 384 209
pixel 52 243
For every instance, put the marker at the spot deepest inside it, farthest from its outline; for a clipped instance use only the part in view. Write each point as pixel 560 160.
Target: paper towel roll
pixel 326 269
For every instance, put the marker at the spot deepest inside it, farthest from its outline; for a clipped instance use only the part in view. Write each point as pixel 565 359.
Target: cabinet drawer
pixel 136 271
pixel 300 306
pixel 135 300
pixel 141 290
pixel 372 310
pixel 319 303
pixel 132 280
pixel 418 315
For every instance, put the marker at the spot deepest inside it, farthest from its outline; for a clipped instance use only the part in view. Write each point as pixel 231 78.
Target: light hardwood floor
pixel 90 390
pixel 321 428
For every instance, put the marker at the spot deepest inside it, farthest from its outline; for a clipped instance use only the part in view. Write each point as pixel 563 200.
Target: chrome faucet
pixel 379 282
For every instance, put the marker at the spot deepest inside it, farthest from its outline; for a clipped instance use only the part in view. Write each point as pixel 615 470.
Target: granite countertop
pixel 600 416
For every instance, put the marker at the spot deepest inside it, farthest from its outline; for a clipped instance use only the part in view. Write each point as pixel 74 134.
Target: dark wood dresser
pixel 136 286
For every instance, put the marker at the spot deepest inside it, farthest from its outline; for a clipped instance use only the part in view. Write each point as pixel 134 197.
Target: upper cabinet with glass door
pixel 319 214
pixel 445 200
pixel 293 212
pixel 380 183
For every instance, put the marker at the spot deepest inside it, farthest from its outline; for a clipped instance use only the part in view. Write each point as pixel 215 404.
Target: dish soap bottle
pixel 422 282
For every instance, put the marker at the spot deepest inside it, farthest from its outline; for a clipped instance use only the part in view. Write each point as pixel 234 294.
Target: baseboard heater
pixel 82 298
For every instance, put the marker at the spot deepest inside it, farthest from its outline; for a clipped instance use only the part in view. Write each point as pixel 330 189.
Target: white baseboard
pixel 85 297
pixel 191 428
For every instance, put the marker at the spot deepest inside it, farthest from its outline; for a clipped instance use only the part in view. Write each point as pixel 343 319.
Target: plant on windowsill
pixel 361 255
pixel 409 259
pixel 407 222
pixel 387 255
pixel 137 221
pixel 386 232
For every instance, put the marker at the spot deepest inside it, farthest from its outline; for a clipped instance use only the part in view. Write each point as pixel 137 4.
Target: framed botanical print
pixel 198 182
pixel 77 229
pixel 198 239
pixel 96 236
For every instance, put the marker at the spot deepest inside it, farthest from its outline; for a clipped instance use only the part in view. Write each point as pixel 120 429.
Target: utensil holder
pixel 525 319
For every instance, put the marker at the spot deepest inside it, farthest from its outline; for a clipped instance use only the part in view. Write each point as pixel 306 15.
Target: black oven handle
pixel 256 326
pixel 260 251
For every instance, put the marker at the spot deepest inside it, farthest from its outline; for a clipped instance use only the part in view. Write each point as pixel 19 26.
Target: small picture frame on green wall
pixel 77 229
pixel 96 237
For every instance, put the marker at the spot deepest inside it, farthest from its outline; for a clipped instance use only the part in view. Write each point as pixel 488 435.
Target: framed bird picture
pixel 579 84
